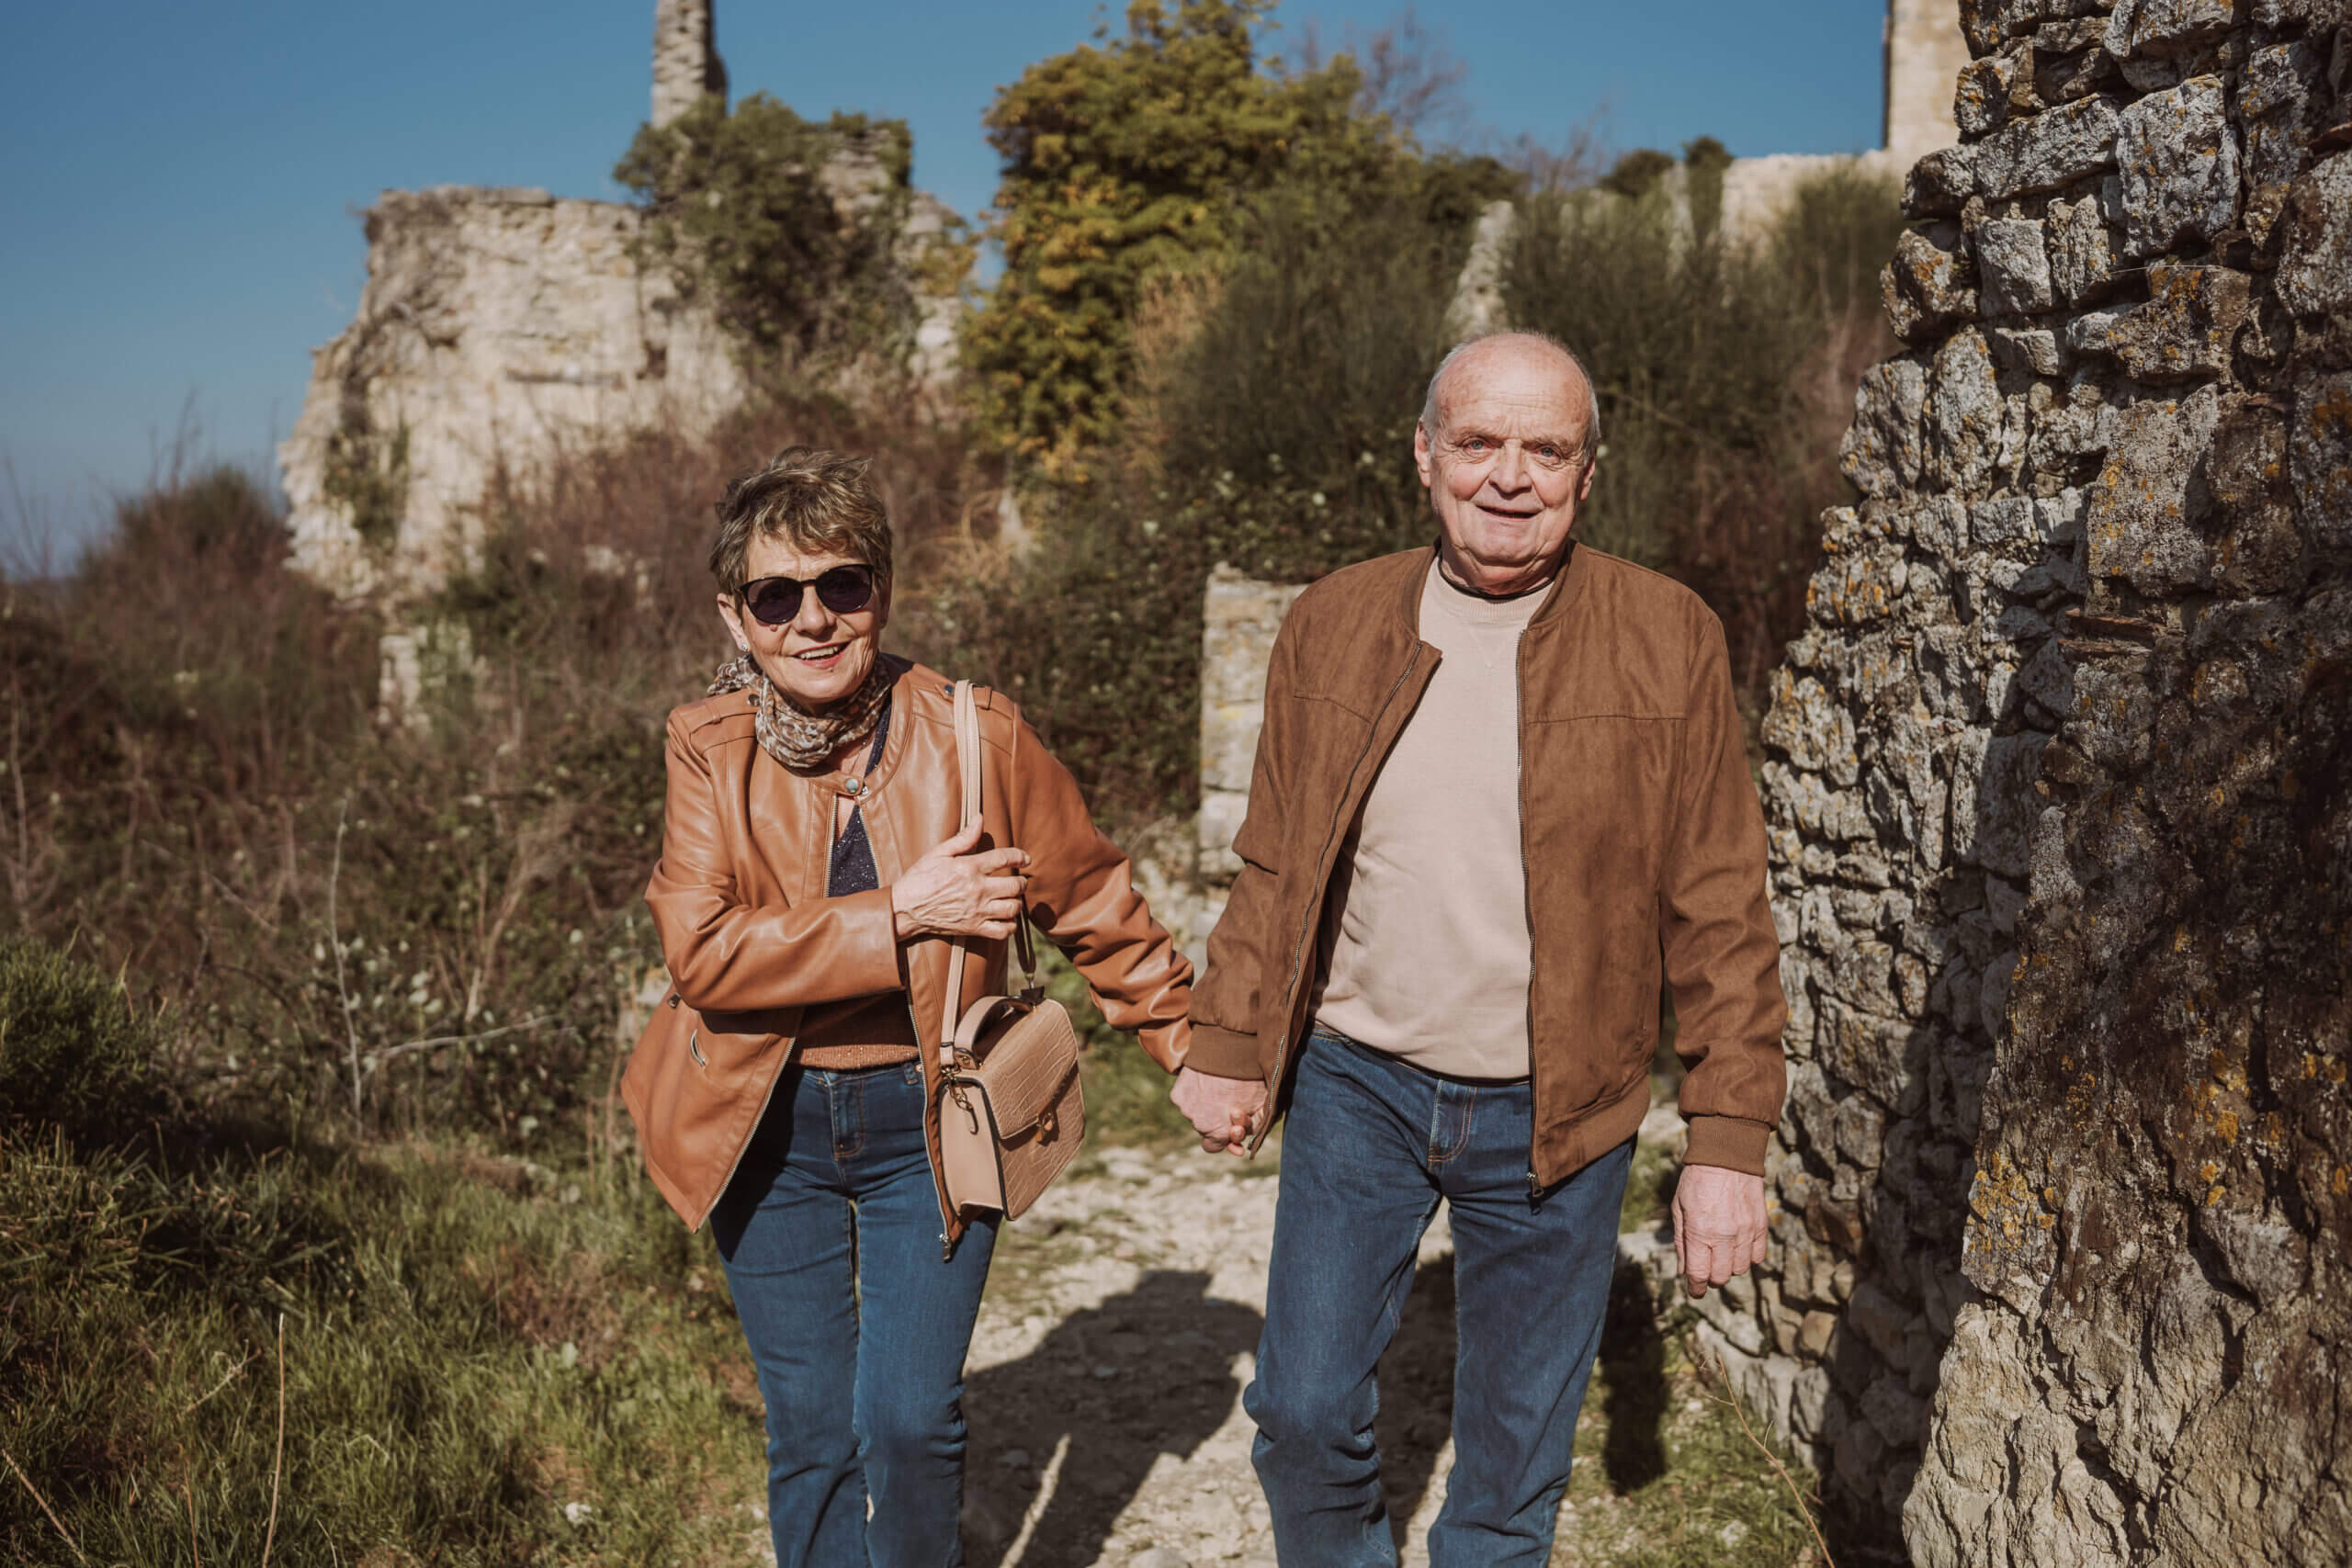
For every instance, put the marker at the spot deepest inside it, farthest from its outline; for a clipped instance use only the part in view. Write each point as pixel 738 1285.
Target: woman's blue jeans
pixel 1370 1146
pixel 858 1328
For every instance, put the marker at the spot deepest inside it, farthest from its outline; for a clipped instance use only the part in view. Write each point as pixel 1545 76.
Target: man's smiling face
pixel 1507 464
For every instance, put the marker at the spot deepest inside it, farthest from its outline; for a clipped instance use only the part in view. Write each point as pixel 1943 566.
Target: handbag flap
pixel 1024 1055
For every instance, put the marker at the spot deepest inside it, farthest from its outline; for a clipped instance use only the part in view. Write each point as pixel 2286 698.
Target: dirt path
pixel 1119 1330
pixel 1120 1325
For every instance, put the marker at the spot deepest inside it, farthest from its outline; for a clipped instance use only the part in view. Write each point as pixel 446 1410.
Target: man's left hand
pixel 1718 1226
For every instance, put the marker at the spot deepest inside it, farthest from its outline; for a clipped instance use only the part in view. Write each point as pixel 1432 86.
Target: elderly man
pixel 1499 782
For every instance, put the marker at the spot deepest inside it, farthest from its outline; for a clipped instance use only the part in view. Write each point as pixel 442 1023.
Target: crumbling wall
pixel 502 327
pixel 2057 779
pixel 496 326
pixel 1925 51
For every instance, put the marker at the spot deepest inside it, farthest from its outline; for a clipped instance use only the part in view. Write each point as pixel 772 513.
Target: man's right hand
pixel 1224 1112
pixel 956 891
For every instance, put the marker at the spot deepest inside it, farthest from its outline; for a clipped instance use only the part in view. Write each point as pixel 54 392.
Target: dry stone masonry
pixel 2060 785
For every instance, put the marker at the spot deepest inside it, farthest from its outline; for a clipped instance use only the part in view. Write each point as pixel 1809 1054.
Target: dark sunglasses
pixel 775 601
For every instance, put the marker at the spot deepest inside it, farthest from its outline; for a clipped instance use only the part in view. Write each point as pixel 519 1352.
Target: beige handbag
pixel 1011 1111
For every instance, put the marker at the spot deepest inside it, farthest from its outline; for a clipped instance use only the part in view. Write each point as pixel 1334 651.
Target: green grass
pixel 1665 1476
pixel 483 1362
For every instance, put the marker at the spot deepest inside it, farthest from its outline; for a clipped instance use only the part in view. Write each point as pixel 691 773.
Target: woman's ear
pixel 732 614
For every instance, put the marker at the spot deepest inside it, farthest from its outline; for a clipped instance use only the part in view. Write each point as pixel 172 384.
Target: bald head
pixel 1514 350
pixel 1506 445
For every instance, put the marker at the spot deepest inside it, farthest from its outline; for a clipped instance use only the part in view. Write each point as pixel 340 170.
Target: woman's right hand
pixel 957 890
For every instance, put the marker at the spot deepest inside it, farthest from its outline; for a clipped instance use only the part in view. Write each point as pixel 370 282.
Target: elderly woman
pixel 813 877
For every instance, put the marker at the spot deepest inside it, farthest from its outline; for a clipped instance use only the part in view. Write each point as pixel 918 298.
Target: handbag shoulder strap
pixel 967 759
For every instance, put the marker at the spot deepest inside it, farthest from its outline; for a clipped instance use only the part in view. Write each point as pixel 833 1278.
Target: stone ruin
pixel 686 67
pixel 499 327
pixel 2058 781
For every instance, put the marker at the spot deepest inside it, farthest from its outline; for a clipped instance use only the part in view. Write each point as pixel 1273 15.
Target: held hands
pixel 1719 1225
pixel 956 890
pixel 1224 1112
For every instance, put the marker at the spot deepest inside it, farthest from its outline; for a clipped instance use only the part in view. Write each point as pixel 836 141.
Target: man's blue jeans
pixel 1370 1146
pixel 857 1329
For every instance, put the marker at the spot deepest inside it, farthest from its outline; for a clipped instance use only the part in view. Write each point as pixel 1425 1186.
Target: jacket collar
pixel 1567 585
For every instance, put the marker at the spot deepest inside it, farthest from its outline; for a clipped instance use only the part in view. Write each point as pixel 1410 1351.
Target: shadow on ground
pixel 1416 1391
pixel 1146 1373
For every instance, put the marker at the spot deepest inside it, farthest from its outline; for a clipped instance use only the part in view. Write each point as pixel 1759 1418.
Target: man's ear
pixel 732 614
pixel 1592 464
pixel 1422 453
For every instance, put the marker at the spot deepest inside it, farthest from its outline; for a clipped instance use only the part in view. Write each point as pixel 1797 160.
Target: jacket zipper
pixel 765 1099
pixel 1306 923
pixel 1526 892
pixel 927 1061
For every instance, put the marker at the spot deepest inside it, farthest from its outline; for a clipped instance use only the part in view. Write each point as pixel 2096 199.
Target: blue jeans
pixel 831 1234
pixel 1370 1146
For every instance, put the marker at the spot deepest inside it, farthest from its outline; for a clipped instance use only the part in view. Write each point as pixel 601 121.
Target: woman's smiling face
pixel 819 656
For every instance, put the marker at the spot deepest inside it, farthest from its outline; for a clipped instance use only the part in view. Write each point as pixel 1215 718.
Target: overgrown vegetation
pixel 367 476
pixel 1725 369
pixel 796 230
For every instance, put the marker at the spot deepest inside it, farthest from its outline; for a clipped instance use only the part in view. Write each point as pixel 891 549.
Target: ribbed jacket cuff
pixel 1731 1141
pixel 1223 1053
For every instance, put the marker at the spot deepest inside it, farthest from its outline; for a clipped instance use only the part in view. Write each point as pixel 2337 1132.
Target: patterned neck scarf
pixel 804 741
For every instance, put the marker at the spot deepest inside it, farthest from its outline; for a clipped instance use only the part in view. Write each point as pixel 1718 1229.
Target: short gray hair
pixel 813 499
pixel 1592 390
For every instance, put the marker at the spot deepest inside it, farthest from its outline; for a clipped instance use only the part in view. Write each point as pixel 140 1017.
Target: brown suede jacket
pixel 1640 834
pixel 752 940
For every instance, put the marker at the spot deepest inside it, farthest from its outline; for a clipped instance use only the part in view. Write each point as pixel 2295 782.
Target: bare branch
pixel 63 1533
pixel 276 1465
pixel 377 1058
pixel 1712 1373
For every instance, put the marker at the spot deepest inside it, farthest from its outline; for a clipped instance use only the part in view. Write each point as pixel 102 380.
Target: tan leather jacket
pixel 752 940
pixel 1639 830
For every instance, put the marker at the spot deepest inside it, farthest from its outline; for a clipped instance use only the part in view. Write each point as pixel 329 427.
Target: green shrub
pixel 72 1056
pixel 1124 161
pixel 1289 417
pixel 1637 173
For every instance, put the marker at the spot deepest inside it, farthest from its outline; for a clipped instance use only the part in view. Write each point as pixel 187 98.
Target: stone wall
pixel 496 325
pixel 1239 619
pixel 2060 785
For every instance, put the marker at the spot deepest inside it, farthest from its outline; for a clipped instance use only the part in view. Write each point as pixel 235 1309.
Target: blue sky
pixel 183 181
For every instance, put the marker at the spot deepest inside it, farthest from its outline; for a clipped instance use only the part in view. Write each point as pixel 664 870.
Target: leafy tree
pixel 1123 159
